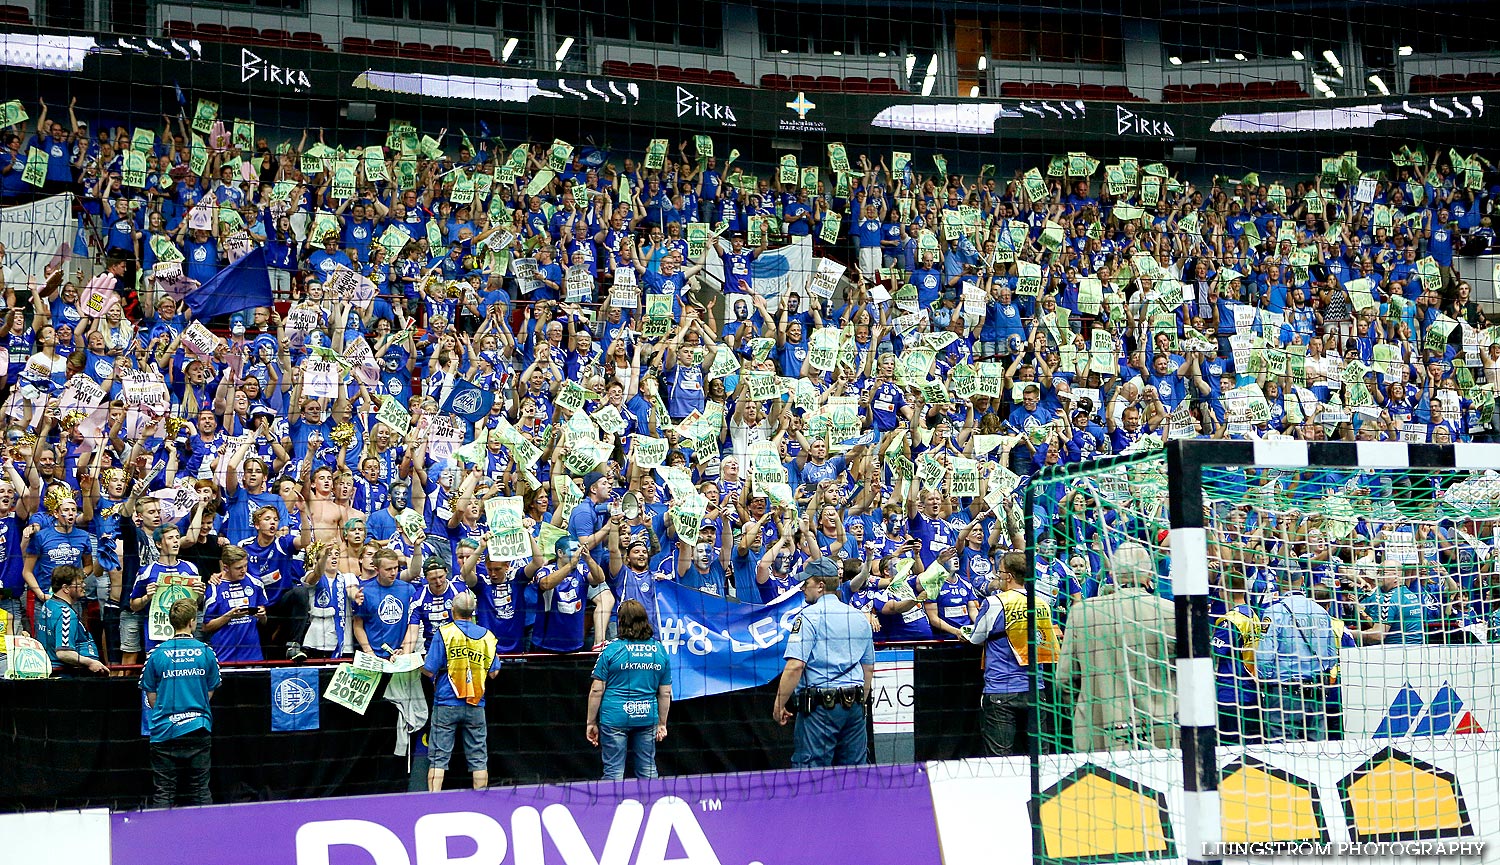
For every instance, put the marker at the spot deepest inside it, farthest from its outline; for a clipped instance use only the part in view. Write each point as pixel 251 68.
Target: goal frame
pixel 1197 710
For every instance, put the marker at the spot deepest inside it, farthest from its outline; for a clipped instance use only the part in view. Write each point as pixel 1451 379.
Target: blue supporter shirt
pixel 385 613
pixel 239 638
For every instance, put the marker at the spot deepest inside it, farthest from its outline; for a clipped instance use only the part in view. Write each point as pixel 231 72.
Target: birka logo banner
pixel 691 820
pixel 253 67
pixel 691 104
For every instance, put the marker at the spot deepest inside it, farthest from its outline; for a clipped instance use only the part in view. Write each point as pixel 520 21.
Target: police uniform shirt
pixel 834 640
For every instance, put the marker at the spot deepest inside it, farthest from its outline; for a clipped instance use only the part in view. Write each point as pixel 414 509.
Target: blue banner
pixel 717 645
pixel 245 284
pixel 294 699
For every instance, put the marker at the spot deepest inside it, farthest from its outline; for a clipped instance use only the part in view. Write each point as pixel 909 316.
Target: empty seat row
pixel 418 51
pixel 14 15
pixel 688 75
pixel 271 37
pixel 1455 83
pixel 1233 91
pixel 1036 90
pixel 829 84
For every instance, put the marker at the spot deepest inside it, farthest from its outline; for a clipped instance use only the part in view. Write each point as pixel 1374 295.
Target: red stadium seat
pixel 447 53
pixel 415 51
pixel 1423 83
pixel 307 41
pixel 245 35
pixel 213 32
pixel 1013 89
pixel 725 78
pixel 1289 90
pixel 1483 81
pixel 804 82
pixel 1451 83
pixel 856 84
pixel 1175 93
pixel 178 29
pixel 772 81
pixel 643 70
pixel 1092 91
pixel 884 85
pixel 272 36
pixel 1260 90
pixel 1042 90
pixel 695 75
pixel 1232 90
pixel 387 47
pixel 14 15
pixel 617 68
pixel 668 72
pixel 356 45
pixel 828 83
pixel 1120 93
pixel 477 56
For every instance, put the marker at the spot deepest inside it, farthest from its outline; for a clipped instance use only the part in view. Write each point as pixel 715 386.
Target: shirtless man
pixel 323 508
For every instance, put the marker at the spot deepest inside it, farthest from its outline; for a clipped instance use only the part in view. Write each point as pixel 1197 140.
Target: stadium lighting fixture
pixel 911 64
pixel 1380 85
pixel 931 76
pixel 1322 86
pixel 973 91
pixel 1175 61
pixel 984 63
pixel 785 51
pixel 563 49
pixel 838 53
pixel 880 54
pixel 1298 55
pixel 1404 51
pixel 509 49
pixel 1333 60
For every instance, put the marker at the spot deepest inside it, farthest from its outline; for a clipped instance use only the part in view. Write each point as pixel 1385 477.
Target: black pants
pixel 179 770
pixel 1003 723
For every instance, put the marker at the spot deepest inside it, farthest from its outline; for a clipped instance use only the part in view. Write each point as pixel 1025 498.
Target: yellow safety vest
pixel 469 660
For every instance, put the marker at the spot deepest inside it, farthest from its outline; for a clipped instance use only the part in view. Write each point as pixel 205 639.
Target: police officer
pixel 830 663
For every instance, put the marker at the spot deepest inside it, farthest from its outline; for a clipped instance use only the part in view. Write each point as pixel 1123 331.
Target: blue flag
pixel 716 645
pixel 245 284
pixel 468 401
pixel 294 699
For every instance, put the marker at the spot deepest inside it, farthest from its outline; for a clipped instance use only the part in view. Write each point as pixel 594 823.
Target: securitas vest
pixel 469 660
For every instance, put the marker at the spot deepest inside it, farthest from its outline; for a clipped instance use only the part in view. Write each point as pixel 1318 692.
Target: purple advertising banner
pixel 761 818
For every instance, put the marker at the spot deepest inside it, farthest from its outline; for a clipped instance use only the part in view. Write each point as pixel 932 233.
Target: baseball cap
pixel 823 567
pixel 590 479
pixel 433 563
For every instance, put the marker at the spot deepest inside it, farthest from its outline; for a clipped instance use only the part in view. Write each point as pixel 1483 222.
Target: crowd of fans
pixel 309 466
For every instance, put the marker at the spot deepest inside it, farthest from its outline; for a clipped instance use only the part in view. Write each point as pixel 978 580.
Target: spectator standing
pixel 179 679
pixel 830 665
pixel 1293 660
pixel 1116 661
pixel 460 660
pixel 60 627
pixel 630 696
pixel 1002 630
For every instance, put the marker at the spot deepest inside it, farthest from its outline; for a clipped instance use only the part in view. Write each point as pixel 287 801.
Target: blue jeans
pixel 641 742
pixel 831 737
pixel 1292 713
pixel 447 722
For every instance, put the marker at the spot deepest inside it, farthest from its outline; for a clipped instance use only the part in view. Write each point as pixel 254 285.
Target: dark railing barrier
pixel 73 743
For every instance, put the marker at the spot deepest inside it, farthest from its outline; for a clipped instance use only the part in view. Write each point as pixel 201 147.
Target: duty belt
pixel 809 699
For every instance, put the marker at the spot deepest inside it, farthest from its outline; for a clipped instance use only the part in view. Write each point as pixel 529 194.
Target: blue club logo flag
pixel 294 699
pixel 468 401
